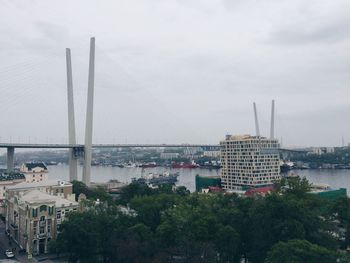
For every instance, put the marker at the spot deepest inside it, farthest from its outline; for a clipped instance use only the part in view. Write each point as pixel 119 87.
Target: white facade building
pixel 34 172
pixel 249 161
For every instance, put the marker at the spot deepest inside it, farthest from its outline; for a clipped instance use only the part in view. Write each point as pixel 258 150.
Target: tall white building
pixel 249 161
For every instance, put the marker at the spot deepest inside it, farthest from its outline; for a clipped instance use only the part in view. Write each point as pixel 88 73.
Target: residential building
pixel 34 214
pixel 34 171
pixel 249 161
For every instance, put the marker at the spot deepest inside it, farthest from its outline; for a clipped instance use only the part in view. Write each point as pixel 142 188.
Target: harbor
pixel 333 177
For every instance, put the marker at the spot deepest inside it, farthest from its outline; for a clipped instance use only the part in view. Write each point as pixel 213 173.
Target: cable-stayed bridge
pixel 84 151
pixel 76 150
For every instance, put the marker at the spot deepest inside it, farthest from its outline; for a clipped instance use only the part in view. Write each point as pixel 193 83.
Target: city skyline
pixel 190 79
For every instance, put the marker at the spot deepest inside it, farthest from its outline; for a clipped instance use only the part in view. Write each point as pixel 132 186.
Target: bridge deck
pixel 67 146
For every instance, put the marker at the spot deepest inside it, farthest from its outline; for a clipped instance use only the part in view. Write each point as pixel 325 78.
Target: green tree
pixel 302 251
pixel 341 209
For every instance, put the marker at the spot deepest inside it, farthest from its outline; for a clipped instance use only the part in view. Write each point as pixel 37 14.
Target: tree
pixel 302 251
pixel 278 218
pixel 227 242
pixel 341 209
pixel 295 185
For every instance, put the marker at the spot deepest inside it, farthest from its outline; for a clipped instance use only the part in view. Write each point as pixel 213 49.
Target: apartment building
pixel 249 161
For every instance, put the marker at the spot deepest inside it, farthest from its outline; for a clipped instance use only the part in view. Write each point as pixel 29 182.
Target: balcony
pixel 42 235
pixel 42 223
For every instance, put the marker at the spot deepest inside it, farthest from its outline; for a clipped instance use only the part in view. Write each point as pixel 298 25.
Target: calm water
pixel 334 178
pixel 103 174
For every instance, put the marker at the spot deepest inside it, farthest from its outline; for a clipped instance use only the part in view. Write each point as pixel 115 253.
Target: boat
pixel 286 166
pixel 184 165
pixel 130 165
pixel 157 179
pixel 211 165
pixel 148 165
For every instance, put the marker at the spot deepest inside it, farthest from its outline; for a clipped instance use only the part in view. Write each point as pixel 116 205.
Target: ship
pixel 286 166
pixel 148 165
pixel 157 179
pixel 184 165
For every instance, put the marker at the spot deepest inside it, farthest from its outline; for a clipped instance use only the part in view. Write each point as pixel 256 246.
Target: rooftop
pixel 33 165
pixel 36 196
pixel 11 176
pixel 47 183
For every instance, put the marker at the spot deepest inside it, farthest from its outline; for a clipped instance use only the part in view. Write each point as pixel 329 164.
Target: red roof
pixel 214 189
pixel 259 191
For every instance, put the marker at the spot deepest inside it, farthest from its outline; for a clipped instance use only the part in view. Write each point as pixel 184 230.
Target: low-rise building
pixel 34 214
pixel 34 171
pixel 214 154
pixel 61 188
pixel 8 179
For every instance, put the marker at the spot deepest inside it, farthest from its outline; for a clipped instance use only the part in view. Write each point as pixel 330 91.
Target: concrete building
pixel 34 213
pixel 213 154
pixel 34 172
pixel 8 179
pixel 321 150
pixel 169 155
pixel 249 161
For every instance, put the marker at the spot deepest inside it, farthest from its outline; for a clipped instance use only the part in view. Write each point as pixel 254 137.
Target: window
pixel 42 218
pixel 42 230
pixel 61 190
pixel 50 210
pixel 43 208
pixel 35 212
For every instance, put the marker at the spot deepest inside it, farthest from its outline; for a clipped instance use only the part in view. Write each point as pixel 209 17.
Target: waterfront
pixel 334 178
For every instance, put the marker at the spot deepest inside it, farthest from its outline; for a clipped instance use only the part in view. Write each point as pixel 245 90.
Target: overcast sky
pixel 184 71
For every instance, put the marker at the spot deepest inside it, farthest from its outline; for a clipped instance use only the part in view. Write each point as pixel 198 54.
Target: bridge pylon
pixel 89 116
pixel 72 159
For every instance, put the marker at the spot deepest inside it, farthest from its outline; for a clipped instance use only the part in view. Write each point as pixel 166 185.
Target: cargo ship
pixel 184 165
pixel 148 165
pixel 157 179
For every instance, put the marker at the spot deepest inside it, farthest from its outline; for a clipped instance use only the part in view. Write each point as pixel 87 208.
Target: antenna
pixel 256 121
pixel 272 128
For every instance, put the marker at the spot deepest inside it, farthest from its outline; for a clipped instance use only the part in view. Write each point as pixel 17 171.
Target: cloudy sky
pixel 177 71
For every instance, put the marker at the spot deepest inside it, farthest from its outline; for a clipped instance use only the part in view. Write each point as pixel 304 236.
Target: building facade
pixel 249 161
pixel 214 154
pixel 34 171
pixel 169 155
pixel 8 179
pixel 34 214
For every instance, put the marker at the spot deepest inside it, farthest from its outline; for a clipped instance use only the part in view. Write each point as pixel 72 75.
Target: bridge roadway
pixel 70 146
